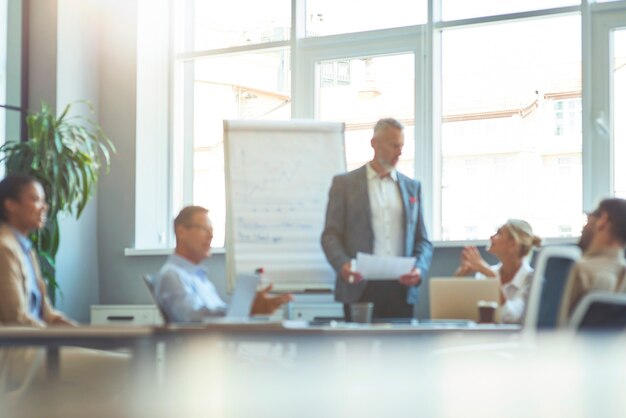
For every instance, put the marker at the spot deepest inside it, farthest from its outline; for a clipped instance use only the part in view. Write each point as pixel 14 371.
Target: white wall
pixel 42 54
pixel 119 275
pixel 63 68
pixel 14 68
pixel 77 79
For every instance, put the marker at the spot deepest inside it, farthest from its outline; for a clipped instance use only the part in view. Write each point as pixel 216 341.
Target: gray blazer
pixel 348 228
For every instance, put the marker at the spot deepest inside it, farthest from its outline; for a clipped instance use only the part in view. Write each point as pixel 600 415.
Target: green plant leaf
pixel 65 111
pixel 65 153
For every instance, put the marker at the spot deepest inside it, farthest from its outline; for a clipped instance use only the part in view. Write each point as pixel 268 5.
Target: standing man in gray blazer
pixel 377 210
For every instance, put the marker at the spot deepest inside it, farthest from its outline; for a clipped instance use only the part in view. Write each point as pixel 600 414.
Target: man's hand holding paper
pixel 413 278
pixel 375 267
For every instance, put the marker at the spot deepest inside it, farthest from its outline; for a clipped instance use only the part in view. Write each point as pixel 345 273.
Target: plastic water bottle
pixel 264 280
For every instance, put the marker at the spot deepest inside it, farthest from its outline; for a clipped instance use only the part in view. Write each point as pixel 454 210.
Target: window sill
pixel 143 252
pixel 146 252
pixel 483 242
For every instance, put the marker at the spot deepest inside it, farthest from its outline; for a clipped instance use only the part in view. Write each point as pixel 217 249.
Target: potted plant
pixel 65 154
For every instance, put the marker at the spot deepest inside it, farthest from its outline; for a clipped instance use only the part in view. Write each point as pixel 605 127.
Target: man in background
pixel 602 267
pixel 377 210
pixel 182 287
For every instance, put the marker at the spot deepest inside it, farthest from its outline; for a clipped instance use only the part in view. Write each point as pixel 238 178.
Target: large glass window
pixel 245 86
pixel 363 91
pixel 238 22
pixel 493 107
pixel 217 83
pixel 330 17
pixel 511 128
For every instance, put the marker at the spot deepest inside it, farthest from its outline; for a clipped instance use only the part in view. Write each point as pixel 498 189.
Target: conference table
pixel 226 358
pixel 139 340
pixel 309 341
pixel 286 328
pixel 302 342
pixel 366 370
pixel 373 371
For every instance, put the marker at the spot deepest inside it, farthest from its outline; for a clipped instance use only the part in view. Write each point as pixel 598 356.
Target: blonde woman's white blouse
pixel 515 293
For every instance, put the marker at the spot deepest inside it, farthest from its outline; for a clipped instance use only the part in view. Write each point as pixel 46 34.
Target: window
pixel 331 17
pixel 511 93
pixel 377 88
pixel 244 86
pixel 334 74
pixel 234 23
pixel 252 80
pixel 240 69
pixel 567 116
pixel 494 107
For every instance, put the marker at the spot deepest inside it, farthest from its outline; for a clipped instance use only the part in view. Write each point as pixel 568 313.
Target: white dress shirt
pixel 515 293
pixel 387 212
pixel 185 292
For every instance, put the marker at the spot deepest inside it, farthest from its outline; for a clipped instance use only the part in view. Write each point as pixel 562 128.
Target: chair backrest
pixel 546 293
pixel 600 311
pixel 149 282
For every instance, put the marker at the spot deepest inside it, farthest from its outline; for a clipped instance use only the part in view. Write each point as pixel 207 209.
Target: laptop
pixel 457 297
pixel 240 305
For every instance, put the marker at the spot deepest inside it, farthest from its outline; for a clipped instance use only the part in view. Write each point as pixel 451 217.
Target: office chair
pixel 600 311
pixel 546 292
pixel 148 281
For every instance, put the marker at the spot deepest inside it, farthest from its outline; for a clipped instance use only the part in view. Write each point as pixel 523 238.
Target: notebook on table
pixel 456 298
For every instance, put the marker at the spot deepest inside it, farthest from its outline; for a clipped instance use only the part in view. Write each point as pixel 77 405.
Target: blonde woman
pixel 511 244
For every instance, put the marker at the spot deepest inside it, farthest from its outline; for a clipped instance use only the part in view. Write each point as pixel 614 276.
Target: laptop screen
pixel 245 290
pixel 457 298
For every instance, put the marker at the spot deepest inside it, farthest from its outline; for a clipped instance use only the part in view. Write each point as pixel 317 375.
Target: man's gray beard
pixel 385 165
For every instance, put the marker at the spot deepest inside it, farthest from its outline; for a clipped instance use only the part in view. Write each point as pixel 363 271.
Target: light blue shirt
pixel 34 296
pixel 184 291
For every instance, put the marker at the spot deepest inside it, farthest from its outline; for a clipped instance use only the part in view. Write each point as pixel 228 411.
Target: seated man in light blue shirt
pixel 182 287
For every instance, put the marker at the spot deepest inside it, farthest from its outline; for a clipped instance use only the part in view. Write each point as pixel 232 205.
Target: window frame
pixel 598 161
